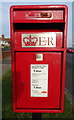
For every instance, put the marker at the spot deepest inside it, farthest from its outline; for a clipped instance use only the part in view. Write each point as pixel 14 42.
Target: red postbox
pixel 38 51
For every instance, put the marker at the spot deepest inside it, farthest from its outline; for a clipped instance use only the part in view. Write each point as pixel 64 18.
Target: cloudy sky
pixel 5 16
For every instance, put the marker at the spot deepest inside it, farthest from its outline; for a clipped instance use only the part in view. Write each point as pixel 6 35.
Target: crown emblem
pixel 30 41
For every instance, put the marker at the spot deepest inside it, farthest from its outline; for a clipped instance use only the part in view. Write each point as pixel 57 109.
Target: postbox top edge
pixel 63 6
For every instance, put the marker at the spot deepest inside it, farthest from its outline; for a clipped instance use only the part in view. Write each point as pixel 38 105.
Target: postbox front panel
pixel 38 79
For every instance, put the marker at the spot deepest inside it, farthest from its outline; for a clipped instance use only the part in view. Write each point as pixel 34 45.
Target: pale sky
pixel 5 21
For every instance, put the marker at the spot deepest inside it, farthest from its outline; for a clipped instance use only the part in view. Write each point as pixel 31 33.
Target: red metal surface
pixel 38 15
pixel 23 57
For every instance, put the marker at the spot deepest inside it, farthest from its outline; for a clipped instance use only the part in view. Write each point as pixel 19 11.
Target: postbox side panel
pixel 23 63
